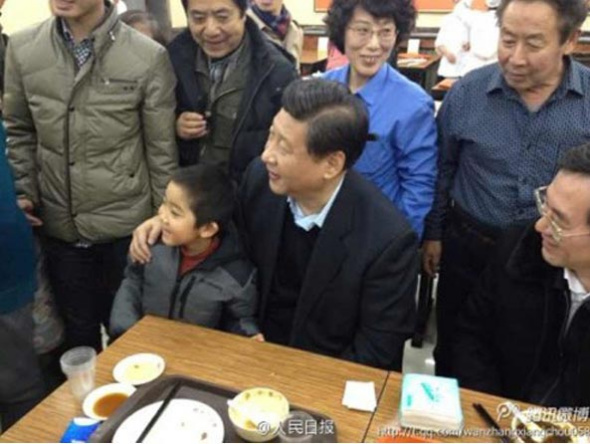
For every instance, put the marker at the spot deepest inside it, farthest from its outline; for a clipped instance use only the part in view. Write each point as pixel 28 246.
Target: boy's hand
pixel 258 338
pixel 28 208
pixel 144 236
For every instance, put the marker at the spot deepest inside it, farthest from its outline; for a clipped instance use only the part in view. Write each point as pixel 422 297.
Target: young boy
pixel 198 273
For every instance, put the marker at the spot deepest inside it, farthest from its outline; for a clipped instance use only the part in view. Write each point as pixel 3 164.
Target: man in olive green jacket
pixel 89 108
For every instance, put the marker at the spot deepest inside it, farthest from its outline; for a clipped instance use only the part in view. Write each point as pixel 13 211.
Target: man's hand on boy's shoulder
pixel 258 337
pixel 144 236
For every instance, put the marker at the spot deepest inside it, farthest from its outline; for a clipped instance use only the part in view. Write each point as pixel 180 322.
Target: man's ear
pixel 334 164
pixel 572 41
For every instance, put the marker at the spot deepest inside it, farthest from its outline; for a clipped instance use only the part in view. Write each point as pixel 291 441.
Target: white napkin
pixel 360 396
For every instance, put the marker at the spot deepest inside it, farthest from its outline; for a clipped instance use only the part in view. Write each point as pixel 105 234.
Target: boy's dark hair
pixel 570 14
pixel 337 120
pixel 241 4
pixel 403 13
pixel 210 192
pixel 133 16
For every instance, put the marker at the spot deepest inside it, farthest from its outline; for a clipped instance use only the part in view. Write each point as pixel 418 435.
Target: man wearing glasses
pixel 230 83
pixel 525 332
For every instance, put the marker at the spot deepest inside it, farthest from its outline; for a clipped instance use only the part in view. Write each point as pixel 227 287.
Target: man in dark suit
pixel 524 332
pixel 336 261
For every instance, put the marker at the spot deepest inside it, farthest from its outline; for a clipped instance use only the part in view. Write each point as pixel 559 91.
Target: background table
pixel 308 380
pixel 420 68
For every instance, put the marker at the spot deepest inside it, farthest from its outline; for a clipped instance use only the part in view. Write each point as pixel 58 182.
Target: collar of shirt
pixel 372 89
pixel 229 61
pixel 575 285
pixel 81 51
pixel 311 220
pixel 572 81
pixel 68 36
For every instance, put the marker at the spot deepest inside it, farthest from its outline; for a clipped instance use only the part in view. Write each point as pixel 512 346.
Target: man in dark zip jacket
pixel 230 84
pixel 525 332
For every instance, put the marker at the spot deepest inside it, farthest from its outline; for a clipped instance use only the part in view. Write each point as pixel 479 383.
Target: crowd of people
pixel 201 180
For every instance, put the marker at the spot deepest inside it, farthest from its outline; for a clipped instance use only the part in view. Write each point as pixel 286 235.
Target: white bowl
pixel 138 369
pixel 91 405
pixel 261 402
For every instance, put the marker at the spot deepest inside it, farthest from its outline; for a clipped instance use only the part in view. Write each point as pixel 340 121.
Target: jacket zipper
pixel 173 297
pixel 119 81
pixel 191 283
pixel 243 118
pixel 204 150
pixel 67 124
pixel 184 295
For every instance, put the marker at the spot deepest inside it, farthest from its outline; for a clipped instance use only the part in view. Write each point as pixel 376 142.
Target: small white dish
pixel 183 421
pixel 139 369
pixel 104 400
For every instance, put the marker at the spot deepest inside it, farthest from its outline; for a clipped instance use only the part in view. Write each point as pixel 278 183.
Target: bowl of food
pixel 553 428
pixel 105 400
pixel 256 413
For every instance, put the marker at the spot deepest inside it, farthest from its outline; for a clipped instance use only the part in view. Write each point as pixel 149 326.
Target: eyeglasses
pixel 557 232
pixel 365 33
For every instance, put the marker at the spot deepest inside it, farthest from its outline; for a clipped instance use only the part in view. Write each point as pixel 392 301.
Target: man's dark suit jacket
pixel 357 299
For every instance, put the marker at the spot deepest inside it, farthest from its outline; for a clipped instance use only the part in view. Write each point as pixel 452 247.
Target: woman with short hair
pixel 401 161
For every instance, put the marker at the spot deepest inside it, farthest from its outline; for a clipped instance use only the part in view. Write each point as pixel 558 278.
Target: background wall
pixel 17 14
pixel 303 12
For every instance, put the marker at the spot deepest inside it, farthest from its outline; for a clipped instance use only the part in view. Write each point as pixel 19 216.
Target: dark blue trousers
pixel 85 281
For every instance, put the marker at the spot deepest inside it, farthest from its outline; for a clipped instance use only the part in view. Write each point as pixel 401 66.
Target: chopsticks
pixel 171 394
pixel 490 421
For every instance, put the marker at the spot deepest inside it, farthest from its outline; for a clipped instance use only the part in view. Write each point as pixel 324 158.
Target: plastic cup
pixel 79 365
pixel 298 427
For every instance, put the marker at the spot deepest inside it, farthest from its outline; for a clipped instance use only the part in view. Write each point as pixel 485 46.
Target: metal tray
pixel 214 395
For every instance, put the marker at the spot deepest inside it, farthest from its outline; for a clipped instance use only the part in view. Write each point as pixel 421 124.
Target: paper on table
pixel 360 396
pixel 414 46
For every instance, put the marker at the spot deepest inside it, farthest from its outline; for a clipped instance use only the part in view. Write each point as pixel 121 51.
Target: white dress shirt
pixel 578 293
pixel 316 219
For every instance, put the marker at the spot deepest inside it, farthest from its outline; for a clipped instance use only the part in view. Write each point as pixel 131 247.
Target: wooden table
pixel 386 422
pixel 439 90
pixel 308 380
pixel 313 61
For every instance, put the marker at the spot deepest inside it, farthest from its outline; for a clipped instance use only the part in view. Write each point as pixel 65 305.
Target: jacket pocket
pixel 115 95
pixel 110 86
